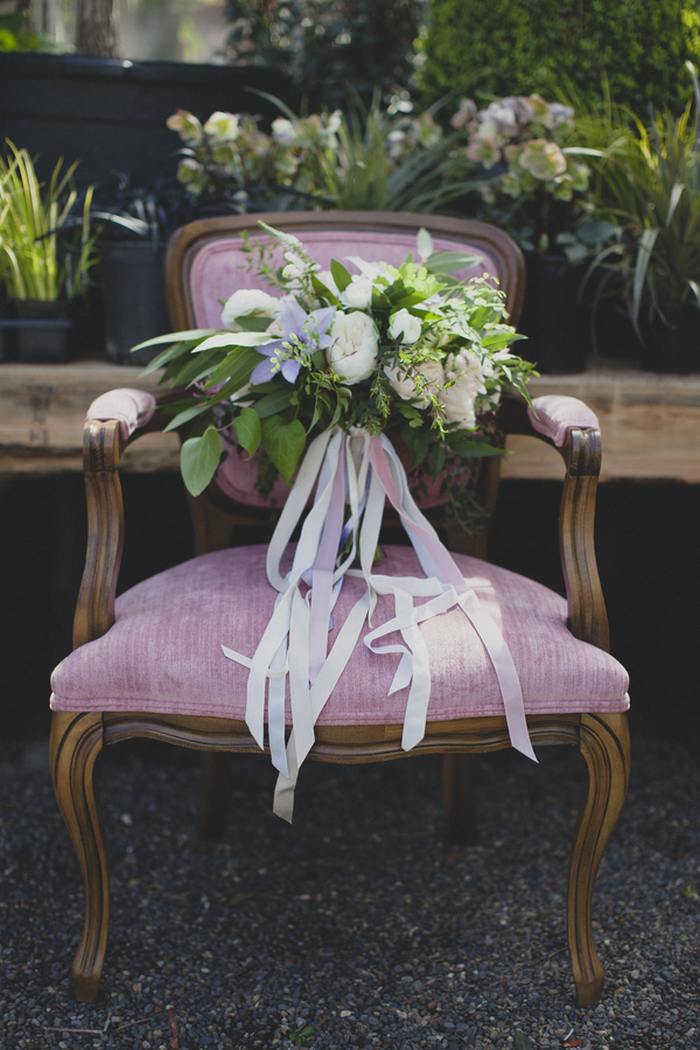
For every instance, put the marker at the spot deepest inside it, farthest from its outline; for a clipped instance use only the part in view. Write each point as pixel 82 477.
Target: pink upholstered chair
pixel 150 663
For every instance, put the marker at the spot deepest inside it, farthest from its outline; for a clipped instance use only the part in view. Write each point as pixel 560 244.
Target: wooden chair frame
pixel 77 738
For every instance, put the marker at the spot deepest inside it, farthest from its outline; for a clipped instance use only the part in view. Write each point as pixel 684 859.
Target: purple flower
pixel 310 329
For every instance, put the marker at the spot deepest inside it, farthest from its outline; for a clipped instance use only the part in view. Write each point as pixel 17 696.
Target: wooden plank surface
pixel 650 423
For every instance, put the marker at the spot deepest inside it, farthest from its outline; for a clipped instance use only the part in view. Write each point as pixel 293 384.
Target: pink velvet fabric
pixel 555 414
pixel 163 653
pixel 132 409
pixel 216 271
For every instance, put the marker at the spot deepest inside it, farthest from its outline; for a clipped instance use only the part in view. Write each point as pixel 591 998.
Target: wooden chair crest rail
pixel 94 704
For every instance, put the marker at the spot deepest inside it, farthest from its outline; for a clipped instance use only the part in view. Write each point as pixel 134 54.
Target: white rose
pixel 459 399
pixel 405 327
pixel 406 387
pixel 353 353
pixel 248 302
pixel 358 294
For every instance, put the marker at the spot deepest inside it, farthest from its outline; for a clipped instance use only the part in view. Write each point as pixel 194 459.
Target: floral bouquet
pixel 315 381
pixel 408 350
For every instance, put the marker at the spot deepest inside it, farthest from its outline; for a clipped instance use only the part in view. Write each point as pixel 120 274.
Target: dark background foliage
pixel 330 46
pixel 511 47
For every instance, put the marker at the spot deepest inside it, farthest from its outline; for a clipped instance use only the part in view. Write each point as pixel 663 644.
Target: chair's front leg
pixel 605 745
pixel 76 740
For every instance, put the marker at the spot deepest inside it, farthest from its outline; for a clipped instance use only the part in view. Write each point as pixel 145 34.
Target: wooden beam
pixel 650 423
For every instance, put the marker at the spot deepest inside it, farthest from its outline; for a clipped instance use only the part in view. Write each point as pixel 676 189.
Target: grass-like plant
pixel 46 251
pixel 647 182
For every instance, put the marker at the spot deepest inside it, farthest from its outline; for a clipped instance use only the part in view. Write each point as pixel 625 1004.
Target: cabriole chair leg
pixel 605 746
pixel 76 741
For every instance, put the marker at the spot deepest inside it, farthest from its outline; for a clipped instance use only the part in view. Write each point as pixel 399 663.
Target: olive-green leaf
pixel 341 276
pixel 199 458
pixel 284 443
pixel 248 430
pixel 186 415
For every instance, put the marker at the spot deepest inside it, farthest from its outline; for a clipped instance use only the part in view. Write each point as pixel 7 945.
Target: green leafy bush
pixel 327 45
pixel 509 47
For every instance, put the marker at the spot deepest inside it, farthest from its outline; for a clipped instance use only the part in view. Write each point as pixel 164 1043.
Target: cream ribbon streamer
pixel 361 471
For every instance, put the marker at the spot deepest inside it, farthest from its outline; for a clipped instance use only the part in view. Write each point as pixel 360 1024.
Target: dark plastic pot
pixel 672 342
pixel 553 319
pixel 134 298
pixel 44 331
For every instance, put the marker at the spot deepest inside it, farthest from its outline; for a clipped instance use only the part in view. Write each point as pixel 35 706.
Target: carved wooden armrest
pixel 572 428
pixel 113 420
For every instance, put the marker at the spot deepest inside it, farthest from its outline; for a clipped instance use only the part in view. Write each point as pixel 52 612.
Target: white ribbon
pixel 362 471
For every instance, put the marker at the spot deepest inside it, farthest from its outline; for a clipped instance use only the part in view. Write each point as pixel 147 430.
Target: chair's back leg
pixel 76 740
pixel 458 798
pixel 605 746
pixel 214 794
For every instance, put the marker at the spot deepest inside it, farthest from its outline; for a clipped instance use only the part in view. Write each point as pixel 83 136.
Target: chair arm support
pixel 112 421
pixel 572 428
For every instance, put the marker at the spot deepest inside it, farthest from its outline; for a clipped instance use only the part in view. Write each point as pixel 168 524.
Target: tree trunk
pixel 95 33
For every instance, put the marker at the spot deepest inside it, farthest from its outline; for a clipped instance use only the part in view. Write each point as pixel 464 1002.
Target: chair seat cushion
pixel 163 653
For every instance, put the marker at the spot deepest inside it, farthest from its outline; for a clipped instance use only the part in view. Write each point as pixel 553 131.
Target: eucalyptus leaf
pixel 235 368
pixel 199 458
pixel 424 243
pixel 186 415
pixel 224 340
pixel 188 336
pixel 450 262
pixel 164 357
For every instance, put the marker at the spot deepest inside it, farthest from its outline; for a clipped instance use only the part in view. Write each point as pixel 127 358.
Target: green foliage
pixel 376 159
pixel 427 356
pixel 648 186
pixel 15 37
pixel 199 458
pixel 507 47
pixel 46 252
pixel 521 1041
pixel 327 44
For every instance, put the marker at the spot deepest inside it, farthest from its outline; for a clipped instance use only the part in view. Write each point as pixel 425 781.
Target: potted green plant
pixel 532 182
pixel 46 254
pixel 381 159
pixel 649 185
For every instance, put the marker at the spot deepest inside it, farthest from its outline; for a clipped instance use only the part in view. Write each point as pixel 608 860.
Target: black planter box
pixel 134 299
pixel 553 319
pixel 110 114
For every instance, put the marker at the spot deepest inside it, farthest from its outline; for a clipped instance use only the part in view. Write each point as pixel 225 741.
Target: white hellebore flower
pixel 405 327
pixel 459 399
pixel 406 387
pixel 223 126
pixel 353 353
pixel 248 302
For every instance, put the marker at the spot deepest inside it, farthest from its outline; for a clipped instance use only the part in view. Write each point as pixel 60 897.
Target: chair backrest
pixel 205 265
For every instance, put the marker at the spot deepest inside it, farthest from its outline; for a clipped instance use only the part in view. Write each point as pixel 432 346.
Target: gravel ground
pixel 355 927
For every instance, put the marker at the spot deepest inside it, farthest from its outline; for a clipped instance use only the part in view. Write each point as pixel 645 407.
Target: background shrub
pixel 330 45
pixel 510 47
